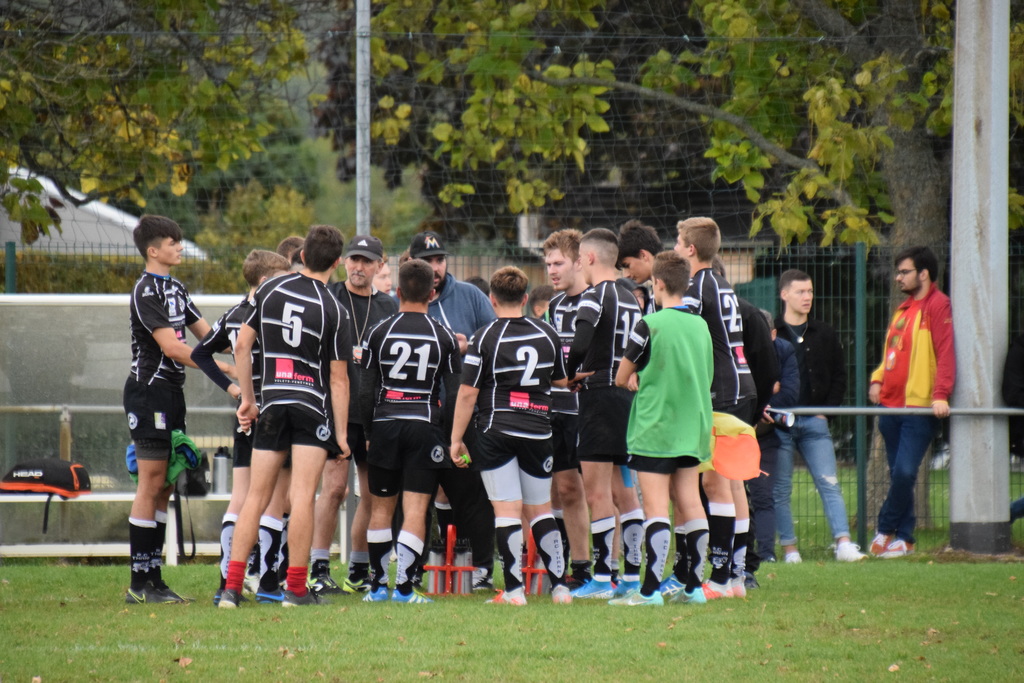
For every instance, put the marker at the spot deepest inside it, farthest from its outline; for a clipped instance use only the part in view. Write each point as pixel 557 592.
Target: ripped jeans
pixel 810 435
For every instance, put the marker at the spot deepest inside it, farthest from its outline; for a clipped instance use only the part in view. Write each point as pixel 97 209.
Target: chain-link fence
pixel 99 436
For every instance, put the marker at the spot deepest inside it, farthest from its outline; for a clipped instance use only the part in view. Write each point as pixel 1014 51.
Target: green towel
pixel 184 456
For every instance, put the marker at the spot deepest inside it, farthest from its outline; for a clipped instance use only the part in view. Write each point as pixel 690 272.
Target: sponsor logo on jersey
pixel 549 462
pixel 160 420
pixel 323 432
pixel 147 291
pixel 284 370
pixel 133 421
pixel 437 454
pixel 520 400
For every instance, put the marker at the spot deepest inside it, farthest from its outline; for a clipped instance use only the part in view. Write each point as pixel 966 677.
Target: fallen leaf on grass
pixel 429 674
pixel 183 661
pixel 662 644
pixel 893 668
pixel 932 632
pixel 401 639
pixel 178 640
pixel 461 642
pixel 286 653
pixel 993 595
pixel 35 679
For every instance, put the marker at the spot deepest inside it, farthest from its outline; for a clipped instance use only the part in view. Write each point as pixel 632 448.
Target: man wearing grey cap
pixel 462 307
pixel 366 307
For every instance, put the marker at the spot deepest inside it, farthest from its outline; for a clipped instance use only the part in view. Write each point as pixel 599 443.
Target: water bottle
pixel 464 561
pixel 783 418
pixel 436 577
pixel 221 470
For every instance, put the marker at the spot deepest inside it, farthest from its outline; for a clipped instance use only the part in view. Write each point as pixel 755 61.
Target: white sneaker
pixel 849 552
pixel 560 595
pixel 793 557
pixel 738 587
pixel 514 597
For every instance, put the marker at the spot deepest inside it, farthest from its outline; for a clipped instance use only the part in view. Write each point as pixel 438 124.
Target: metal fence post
pixel 10 264
pixel 860 369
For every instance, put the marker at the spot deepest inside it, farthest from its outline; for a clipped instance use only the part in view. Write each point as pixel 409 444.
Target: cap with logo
pixel 427 244
pixel 366 246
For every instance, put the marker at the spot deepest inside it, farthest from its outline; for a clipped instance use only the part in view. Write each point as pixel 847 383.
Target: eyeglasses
pixel 904 273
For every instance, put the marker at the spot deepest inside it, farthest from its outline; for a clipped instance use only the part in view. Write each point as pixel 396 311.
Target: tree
pixel 118 97
pixel 832 116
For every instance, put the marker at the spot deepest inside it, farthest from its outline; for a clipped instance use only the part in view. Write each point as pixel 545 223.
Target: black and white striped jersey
pixel 223 335
pixel 562 313
pixel 300 328
pixel 411 352
pixel 712 297
pixel 613 311
pixel 512 361
pixel 158 301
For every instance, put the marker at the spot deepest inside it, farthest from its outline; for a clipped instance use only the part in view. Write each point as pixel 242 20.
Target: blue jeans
pixel 1017 509
pixel 811 437
pixel 907 438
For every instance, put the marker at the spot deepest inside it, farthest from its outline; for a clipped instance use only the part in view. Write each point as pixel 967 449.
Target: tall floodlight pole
pixel 979 467
pixel 362 117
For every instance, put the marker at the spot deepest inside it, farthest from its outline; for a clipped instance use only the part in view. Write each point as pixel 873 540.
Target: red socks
pixel 297 580
pixel 236 575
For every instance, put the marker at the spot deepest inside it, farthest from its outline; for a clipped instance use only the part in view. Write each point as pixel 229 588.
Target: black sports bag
pixel 52 476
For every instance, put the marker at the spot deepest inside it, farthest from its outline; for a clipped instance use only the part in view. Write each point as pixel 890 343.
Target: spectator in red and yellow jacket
pixel 917 371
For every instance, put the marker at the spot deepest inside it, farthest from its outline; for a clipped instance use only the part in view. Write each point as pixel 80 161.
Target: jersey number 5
pixel 292 334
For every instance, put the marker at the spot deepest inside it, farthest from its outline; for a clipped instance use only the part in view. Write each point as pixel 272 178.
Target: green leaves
pixel 180 84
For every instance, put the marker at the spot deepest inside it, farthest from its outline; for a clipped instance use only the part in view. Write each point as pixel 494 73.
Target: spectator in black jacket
pixel 819 356
pixel 1013 395
pixel 785 394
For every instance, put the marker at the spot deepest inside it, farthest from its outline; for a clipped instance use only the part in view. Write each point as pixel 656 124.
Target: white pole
pixel 979 468
pixel 363 117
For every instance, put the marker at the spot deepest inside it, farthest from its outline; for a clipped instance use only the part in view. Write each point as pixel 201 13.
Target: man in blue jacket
pixel 462 307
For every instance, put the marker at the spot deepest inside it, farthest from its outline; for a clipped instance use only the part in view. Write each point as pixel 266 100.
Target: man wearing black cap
pixel 464 308
pixel 366 307
pixel 459 305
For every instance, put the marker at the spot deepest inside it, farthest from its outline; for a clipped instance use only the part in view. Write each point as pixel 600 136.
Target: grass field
pixel 921 618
